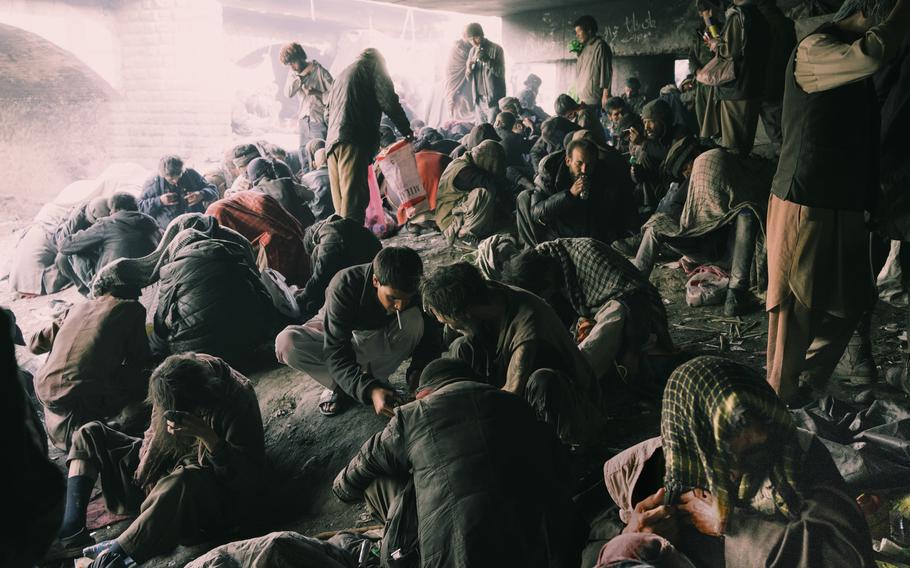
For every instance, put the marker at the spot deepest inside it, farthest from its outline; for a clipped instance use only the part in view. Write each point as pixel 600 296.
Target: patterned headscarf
pixel 682 152
pixel 707 401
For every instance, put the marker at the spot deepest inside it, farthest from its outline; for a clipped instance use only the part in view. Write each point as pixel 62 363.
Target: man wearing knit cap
pixel 819 276
pixel 659 135
pixel 485 71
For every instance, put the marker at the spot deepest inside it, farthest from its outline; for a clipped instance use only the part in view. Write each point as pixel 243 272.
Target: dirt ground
pixel 307 450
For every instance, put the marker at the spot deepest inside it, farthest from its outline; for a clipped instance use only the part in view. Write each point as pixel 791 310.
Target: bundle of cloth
pixel 210 297
pixel 270 228
pixel 722 184
pixel 31 269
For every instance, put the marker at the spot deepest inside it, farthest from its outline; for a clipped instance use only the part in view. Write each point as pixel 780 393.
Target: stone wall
pixel 175 96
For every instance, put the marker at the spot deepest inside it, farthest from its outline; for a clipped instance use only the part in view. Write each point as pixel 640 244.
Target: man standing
pixel 370 324
pixel 819 273
pixel 361 94
pixel 594 70
pixel 310 81
pixel 125 233
pixel 482 470
pixel 174 191
pixel 486 72
pixel 98 352
pixel 745 41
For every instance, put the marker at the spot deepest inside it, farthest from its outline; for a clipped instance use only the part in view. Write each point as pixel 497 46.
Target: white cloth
pixel 380 351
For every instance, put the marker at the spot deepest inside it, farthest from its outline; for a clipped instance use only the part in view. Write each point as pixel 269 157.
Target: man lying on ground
pixel 193 475
pixel 482 471
pixel 370 323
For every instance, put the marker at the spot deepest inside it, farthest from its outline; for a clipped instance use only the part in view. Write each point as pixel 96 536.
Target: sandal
pixel 327 400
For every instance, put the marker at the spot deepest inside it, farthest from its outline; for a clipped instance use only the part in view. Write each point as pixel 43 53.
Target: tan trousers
pixel 804 344
pixel 474 215
pixel 348 178
pixel 738 123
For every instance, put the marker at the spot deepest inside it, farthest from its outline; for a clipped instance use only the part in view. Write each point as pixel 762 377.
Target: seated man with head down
pixel 720 194
pixel 582 115
pixel 742 485
pixel 97 363
pixel 270 228
pixel 518 343
pixel 371 322
pixel 33 269
pixel 466 200
pixel 194 474
pixel 317 181
pixel 124 233
pixel 578 194
pixel 175 190
pixel 616 312
pixel 210 298
pixel 274 178
pixel 482 470
pixel 332 244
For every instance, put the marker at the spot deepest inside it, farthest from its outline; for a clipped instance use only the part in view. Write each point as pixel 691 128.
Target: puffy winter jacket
pixel 122 234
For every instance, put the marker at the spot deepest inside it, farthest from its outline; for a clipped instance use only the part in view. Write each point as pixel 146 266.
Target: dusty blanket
pixel 721 185
pixel 267 225
pixel 277 550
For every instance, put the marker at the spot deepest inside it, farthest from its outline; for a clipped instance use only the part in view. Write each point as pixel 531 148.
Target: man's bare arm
pixel 521 365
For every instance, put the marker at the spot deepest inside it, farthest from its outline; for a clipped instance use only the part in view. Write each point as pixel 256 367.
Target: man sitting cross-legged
pixel 517 341
pixel 370 323
pixel 194 474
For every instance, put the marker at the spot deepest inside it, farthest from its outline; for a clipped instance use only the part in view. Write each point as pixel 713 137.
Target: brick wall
pixel 174 98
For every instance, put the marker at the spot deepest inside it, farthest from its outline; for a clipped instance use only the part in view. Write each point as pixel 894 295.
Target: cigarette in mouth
pixel 397 313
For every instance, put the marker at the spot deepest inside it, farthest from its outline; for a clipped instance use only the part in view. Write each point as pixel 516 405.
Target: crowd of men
pixel 516 363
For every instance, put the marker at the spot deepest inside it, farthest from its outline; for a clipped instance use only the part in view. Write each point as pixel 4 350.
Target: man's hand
pixel 634 136
pixel 700 508
pixel 193 197
pixel 604 98
pixel 652 516
pixel 192 426
pixel 578 187
pixel 384 401
pixel 169 199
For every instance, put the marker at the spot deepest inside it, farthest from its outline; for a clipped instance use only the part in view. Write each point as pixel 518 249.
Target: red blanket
pixel 266 224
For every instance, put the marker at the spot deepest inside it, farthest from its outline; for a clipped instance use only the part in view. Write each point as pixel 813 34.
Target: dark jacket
pixel 362 92
pixel 820 166
pixel 749 53
pixel 211 300
pixel 333 244
pixel 122 234
pixel 76 220
pixel 606 215
pixel 487 76
pixel 516 147
pixel 317 181
pixel 156 186
pixel 351 304
pixel 783 39
pixel 487 478
pixel 892 84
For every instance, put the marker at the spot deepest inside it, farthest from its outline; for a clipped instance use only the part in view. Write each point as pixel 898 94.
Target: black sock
pixel 78 493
